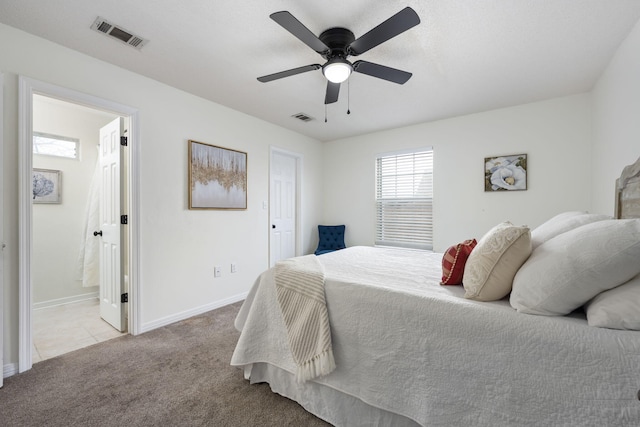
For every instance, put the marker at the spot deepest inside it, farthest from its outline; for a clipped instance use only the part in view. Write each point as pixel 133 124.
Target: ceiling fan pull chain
pixel 349 96
pixel 325 113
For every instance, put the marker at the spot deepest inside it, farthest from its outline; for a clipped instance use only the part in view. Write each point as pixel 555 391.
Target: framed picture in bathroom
pixel 47 186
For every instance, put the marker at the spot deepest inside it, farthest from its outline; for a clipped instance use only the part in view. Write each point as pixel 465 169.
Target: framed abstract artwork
pixel 217 177
pixel 505 173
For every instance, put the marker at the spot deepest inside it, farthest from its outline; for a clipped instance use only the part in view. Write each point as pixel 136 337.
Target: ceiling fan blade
pixel 333 90
pixel 381 72
pixel 287 73
pixel 397 24
pixel 295 27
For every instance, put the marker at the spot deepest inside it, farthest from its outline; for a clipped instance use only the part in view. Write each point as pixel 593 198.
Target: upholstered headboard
pixel 628 192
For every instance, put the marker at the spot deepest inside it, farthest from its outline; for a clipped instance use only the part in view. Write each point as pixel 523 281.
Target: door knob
pixel 273 226
pixel 97 233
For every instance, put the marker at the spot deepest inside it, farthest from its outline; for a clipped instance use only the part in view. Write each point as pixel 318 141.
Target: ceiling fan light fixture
pixel 337 70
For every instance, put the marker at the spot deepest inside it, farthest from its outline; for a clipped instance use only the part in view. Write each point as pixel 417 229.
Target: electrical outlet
pixel 234 268
pixel 217 271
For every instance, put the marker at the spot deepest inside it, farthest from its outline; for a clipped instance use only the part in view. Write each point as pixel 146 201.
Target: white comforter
pixel 407 345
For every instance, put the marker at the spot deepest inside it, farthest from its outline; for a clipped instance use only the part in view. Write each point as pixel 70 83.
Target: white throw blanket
pixel 300 291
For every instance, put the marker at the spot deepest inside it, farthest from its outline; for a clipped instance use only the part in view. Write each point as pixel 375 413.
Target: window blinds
pixel 404 199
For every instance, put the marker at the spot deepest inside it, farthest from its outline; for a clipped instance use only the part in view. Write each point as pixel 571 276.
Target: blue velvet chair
pixel 331 238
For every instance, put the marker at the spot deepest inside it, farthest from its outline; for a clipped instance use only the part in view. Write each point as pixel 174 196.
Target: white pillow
pixel 562 223
pixel 490 268
pixel 565 272
pixel 617 308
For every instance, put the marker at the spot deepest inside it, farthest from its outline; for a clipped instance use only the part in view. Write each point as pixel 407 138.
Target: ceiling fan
pixel 337 44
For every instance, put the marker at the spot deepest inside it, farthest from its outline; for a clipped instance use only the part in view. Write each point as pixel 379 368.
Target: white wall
pixel 58 228
pixel 555 134
pixel 616 121
pixel 178 247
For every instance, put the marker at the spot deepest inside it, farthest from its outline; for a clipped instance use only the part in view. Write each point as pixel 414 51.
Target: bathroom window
pixel 55 145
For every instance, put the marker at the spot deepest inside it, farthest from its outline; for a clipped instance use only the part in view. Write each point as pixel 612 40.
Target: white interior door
pixel 283 206
pixel 111 278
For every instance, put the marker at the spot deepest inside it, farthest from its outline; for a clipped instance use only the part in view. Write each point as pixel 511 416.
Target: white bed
pixel 409 351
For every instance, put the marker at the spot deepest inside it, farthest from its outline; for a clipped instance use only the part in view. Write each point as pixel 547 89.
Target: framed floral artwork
pixel 505 173
pixel 46 184
pixel 217 177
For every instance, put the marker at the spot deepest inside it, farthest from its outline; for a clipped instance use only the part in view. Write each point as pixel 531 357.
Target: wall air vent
pixel 302 116
pixel 103 26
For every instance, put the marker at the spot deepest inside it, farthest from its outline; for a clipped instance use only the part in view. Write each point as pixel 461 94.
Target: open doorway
pixel 66 264
pixel 30 91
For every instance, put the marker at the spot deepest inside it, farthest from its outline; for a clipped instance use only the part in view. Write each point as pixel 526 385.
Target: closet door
pixel 283 203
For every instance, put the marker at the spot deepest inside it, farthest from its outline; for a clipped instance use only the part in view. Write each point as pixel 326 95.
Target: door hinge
pixel 123 141
pixel 124 219
pixel 124 297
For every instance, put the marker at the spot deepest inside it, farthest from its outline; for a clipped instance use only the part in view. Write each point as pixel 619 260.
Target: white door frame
pixel 298 210
pixel 27 88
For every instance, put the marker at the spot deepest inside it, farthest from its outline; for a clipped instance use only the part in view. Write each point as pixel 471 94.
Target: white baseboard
pixel 66 300
pixel 146 327
pixel 9 370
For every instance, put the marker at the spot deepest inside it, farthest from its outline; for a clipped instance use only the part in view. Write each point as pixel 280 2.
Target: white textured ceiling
pixel 466 56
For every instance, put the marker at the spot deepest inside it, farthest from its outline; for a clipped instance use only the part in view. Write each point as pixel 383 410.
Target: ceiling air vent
pixel 303 117
pixel 103 26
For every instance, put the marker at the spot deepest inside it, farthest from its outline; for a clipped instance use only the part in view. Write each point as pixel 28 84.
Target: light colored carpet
pixel 178 375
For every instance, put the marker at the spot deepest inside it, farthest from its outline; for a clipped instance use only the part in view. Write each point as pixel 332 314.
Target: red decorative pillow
pixel 454 260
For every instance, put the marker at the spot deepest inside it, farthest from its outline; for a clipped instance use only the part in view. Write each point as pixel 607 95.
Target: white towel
pixel 88 263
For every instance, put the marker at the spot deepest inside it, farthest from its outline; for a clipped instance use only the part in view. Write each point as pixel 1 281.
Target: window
pixel 54 145
pixel 404 199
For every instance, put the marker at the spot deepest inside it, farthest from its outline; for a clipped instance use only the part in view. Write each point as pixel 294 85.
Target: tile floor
pixel 64 328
